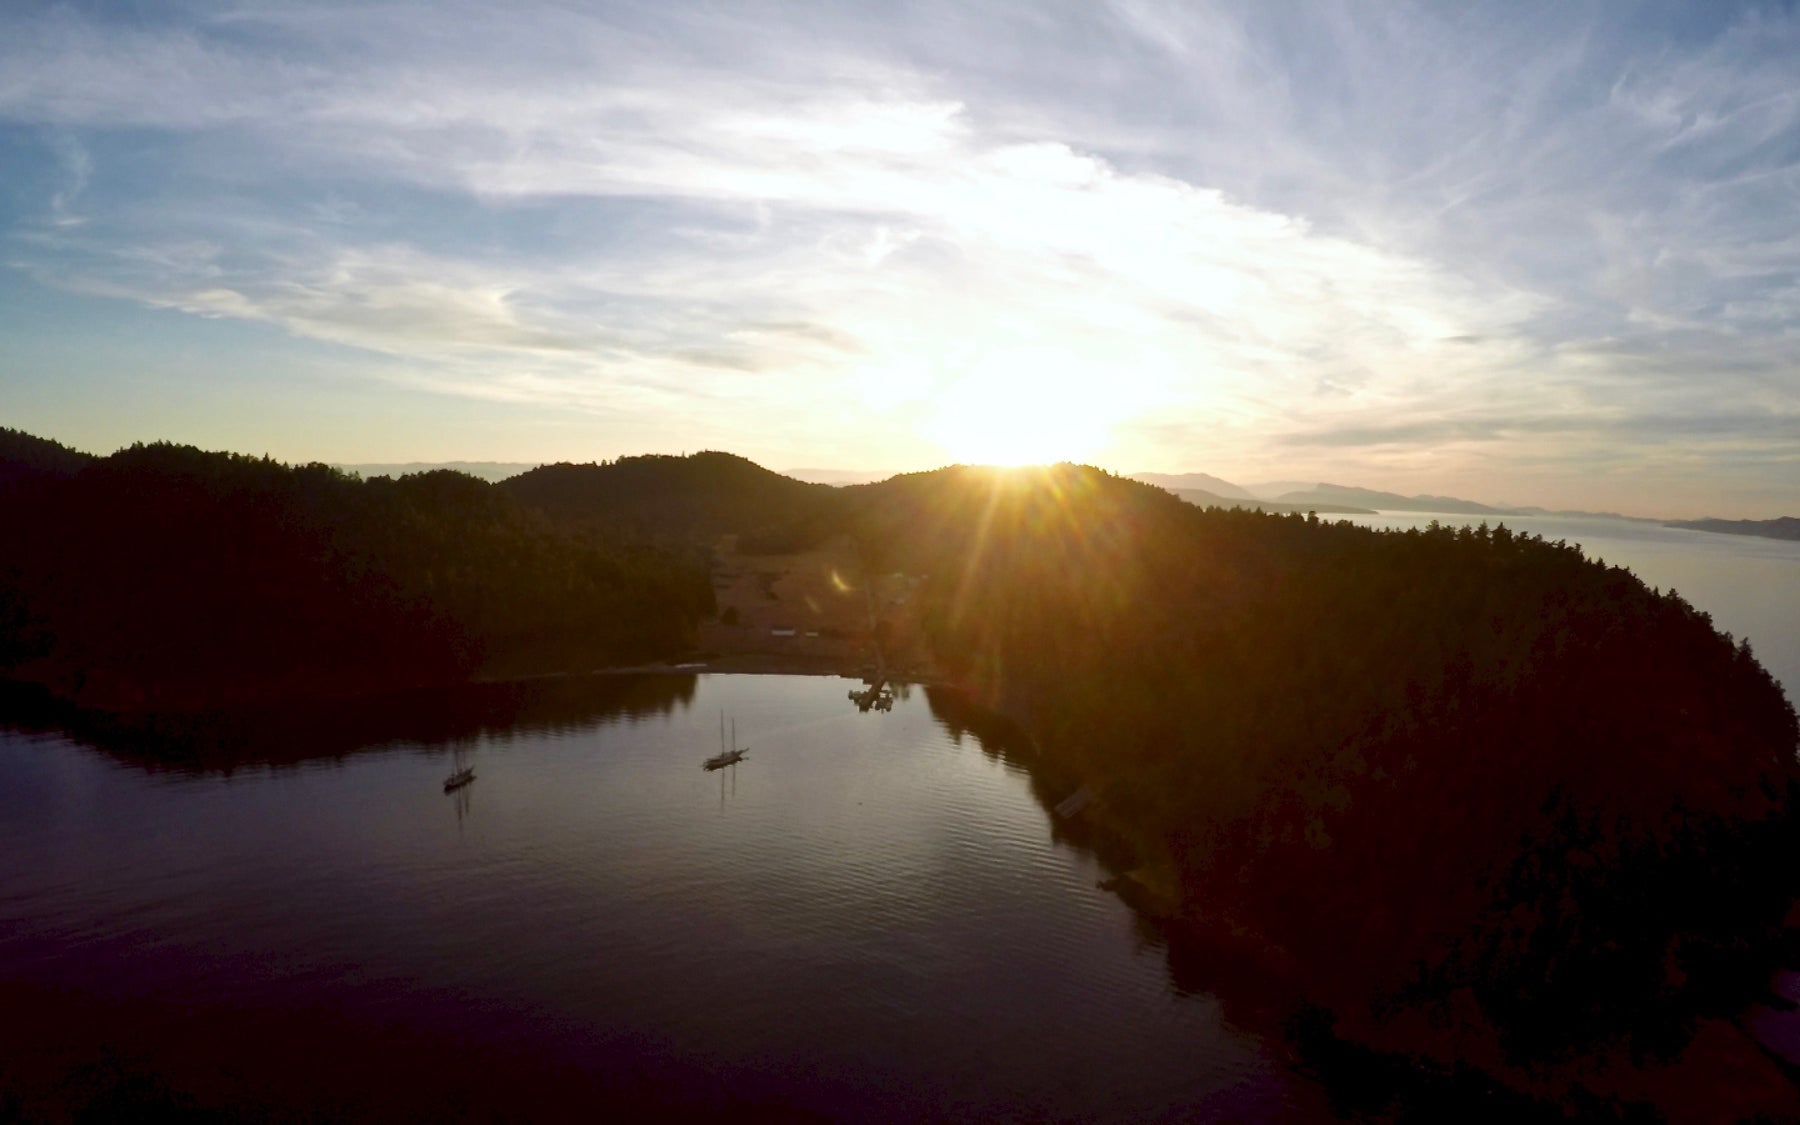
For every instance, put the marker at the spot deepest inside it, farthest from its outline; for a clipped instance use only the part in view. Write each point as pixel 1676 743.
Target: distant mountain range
pixel 1199 482
pixel 1325 498
pixel 1206 499
pixel 1339 499
pixel 1295 496
pixel 1387 501
pixel 1270 489
pixel 1785 527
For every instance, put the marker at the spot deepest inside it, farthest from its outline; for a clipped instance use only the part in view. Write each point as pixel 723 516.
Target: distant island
pixel 1336 499
pixel 1204 499
pixel 1387 501
pixel 1198 483
pixel 1476 802
pixel 1785 527
pixel 1293 496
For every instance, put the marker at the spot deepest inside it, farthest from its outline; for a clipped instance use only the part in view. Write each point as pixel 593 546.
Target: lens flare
pixel 1024 408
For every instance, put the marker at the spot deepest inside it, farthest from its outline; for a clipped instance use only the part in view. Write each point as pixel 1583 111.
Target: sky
pixel 1523 253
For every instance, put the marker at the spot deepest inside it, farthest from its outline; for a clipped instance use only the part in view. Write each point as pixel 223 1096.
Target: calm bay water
pixel 869 918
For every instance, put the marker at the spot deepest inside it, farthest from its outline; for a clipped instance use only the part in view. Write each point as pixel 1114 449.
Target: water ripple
pixel 867 918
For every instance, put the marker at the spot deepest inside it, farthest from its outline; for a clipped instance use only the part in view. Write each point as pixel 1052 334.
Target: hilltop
pixel 690 499
pixel 1486 802
pixel 165 578
pixel 27 460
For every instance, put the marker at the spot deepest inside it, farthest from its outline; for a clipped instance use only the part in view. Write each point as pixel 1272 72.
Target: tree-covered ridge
pixel 26 459
pixel 1450 775
pixel 681 500
pixel 164 576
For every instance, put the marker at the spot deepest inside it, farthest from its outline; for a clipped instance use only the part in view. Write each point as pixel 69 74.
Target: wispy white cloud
pixel 1400 235
pixel 77 167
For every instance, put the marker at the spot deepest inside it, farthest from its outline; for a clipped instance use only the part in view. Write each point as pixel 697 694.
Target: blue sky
pixel 1525 253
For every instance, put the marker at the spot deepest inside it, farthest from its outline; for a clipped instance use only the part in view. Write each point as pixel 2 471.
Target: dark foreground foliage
pixel 166 578
pixel 1482 797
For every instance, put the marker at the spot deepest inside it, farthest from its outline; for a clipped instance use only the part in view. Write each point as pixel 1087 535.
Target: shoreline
pixel 36 695
pixel 739 664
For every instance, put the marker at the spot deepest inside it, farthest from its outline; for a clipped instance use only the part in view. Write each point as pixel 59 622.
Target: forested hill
pixel 164 577
pixel 689 499
pixel 26 460
pixel 1484 799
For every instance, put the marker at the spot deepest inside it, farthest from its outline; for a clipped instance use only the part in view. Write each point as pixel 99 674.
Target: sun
pixel 1024 408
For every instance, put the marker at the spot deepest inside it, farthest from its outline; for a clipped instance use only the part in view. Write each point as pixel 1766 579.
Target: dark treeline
pixel 26 460
pixel 685 502
pixel 284 733
pixel 166 578
pixel 1482 798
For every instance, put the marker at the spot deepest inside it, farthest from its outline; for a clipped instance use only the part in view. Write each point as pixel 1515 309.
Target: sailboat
pixel 729 754
pixel 459 779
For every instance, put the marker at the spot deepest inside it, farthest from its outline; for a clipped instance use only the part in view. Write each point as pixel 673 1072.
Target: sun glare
pixel 1023 409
